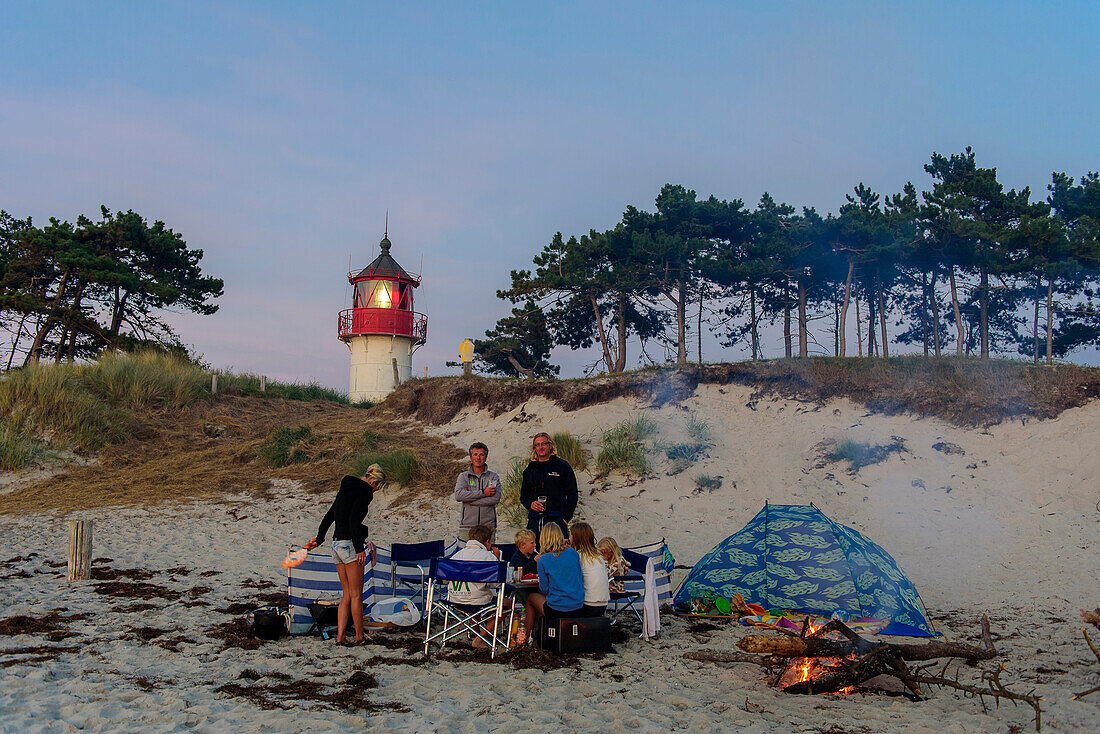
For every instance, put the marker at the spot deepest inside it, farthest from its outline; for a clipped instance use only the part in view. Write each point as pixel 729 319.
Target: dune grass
pixel 511 480
pixel 568 447
pixel 859 454
pixel 707 483
pixel 621 446
pixel 286 446
pixel 18 449
pixel 401 465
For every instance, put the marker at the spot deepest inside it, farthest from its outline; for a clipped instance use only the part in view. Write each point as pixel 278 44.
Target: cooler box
pixel 578 634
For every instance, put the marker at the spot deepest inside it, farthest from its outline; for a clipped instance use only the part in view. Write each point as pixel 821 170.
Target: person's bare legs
pixel 535 600
pixel 345 572
pixel 355 583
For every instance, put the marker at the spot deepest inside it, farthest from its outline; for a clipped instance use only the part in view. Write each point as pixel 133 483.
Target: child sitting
pixel 561 581
pixel 524 557
pixel 616 564
pixel 593 568
pixel 471 596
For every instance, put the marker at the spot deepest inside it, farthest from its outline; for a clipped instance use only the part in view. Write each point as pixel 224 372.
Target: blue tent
pixel 793 557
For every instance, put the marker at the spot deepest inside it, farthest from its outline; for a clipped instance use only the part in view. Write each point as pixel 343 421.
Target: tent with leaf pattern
pixel 795 558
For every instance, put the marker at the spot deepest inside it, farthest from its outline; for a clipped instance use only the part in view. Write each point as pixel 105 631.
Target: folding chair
pixel 633 589
pixel 413 556
pixel 461 619
pixel 507 550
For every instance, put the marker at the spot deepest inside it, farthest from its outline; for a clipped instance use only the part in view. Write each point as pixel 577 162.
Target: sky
pixel 276 135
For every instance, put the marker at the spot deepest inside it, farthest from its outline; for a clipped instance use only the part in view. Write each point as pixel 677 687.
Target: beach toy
pixel 295 558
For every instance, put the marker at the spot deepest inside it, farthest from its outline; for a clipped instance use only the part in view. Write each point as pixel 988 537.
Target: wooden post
pixel 396 374
pixel 263 383
pixel 80 550
pixel 467 369
pixel 214 384
pixel 425 372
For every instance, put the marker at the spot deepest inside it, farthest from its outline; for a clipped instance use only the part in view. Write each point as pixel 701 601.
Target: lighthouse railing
pixel 396 322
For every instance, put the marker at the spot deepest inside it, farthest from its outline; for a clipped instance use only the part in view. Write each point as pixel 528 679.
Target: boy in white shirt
pixel 478 548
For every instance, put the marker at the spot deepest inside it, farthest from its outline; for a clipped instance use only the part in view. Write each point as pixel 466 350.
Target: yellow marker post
pixel 466 354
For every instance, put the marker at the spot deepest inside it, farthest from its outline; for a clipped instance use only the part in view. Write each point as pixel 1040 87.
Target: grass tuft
pixel 697 429
pixel 401 466
pixel 707 483
pixel 17 449
pixel 286 446
pixel 568 447
pixel 621 446
pixel 859 454
pixel 511 480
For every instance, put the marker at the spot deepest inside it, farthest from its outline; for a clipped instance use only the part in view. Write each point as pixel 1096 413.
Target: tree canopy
pixel 966 258
pixel 69 291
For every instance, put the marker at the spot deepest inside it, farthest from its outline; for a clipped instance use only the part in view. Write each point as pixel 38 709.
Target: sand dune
pixel 1002 520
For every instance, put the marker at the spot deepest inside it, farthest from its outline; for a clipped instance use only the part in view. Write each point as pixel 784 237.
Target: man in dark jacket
pixel 549 490
pixel 477 490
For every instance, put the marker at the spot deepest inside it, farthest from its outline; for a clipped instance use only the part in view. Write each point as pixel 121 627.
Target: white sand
pixel 1008 527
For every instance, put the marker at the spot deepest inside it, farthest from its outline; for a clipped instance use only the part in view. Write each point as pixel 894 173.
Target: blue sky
pixel 274 136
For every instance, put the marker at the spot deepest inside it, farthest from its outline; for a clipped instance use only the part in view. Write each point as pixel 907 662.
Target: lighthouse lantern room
pixel 381 329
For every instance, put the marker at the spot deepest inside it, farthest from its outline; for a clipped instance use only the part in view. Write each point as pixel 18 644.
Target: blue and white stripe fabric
pixel 316 579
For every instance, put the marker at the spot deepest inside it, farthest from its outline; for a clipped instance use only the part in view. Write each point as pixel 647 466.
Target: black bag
pixel 267 623
pixel 578 634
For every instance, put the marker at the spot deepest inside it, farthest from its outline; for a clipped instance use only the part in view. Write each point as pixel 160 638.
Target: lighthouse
pixel 381 329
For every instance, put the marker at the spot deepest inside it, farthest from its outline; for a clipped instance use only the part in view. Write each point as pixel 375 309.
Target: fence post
pixel 263 383
pixel 396 374
pixel 214 384
pixel 80 550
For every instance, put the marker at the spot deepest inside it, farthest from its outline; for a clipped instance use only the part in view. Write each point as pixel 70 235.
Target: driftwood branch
pixel 993 688
pixel 1092 647
pixel 813 646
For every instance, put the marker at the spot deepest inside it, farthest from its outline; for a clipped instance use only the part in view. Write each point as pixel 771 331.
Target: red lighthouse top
pixel 383 303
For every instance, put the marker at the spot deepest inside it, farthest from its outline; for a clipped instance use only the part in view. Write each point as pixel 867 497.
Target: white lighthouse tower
pixel 382 331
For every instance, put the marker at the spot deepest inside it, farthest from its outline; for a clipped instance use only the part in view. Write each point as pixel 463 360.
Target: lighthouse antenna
pixel 386 232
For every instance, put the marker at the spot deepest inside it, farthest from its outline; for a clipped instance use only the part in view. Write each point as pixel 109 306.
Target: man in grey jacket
pixel 477 490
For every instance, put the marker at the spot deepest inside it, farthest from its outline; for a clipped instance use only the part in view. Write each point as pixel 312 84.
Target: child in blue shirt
pixel 561 581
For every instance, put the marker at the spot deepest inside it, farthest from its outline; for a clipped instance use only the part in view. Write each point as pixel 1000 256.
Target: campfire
pixel 832 658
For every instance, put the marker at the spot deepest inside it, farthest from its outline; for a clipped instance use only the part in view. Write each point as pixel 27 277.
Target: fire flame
pixel 804 669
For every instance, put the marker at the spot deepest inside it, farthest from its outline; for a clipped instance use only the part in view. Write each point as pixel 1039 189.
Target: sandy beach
pixel 1001 520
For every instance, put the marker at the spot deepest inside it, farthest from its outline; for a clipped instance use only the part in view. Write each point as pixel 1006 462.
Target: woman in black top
pixel 348 536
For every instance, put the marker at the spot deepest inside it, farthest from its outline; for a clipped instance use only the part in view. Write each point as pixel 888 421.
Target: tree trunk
pixel 882 320
pixel 15 340
pixel 984 320
pixel 836 326
pixel 935 314
pixel 959 326
pixel 681 325
pixel 755 335
pixel 924 310
pixel 1035 320
pixel 47 325
pixel 1050 319
pixel 602 333
pixel 844 308
pixel 859 329
pixel 787 319
pixel 699 326
pixel 803 341
pixel 871 318
pixel 620 327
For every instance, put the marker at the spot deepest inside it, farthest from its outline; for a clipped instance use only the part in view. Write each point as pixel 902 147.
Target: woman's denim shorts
pixel 343 551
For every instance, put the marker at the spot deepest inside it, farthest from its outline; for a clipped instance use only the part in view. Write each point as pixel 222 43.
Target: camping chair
pixel 629 597
pixel 460 619
pixel 412 556
pixel 507 550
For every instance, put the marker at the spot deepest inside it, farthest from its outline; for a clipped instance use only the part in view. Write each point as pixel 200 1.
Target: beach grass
pixel 401 465
pixel 511 479
pixel 621 446
pixel 707 483
pixel 568 447
pixel 286 446
pixel 859 454
pixel 18 449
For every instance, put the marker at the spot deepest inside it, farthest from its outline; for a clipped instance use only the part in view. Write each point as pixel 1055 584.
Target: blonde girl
pixel 616 564
pixel 593 569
